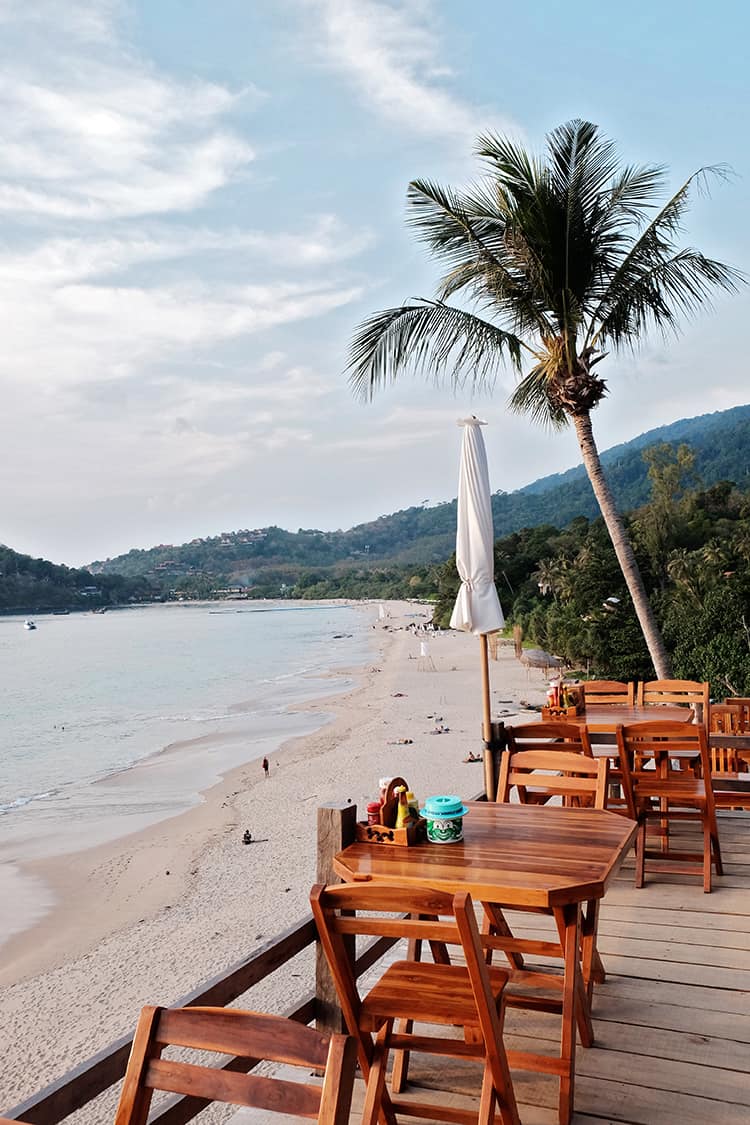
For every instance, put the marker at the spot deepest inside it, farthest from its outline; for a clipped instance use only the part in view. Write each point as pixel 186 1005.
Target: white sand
pixel 148 918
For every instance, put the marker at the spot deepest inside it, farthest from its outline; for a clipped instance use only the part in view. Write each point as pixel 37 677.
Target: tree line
pixel 564 587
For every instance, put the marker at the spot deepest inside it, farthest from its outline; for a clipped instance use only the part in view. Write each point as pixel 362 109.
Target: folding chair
pixel 437 993
pixel 571 737
pixel 691 693
pixel 726 719
pixel 743 702
pixel 667 794
pixel 574 777
pixel 580 780
pixel 598 692
pixel 551 737
pixel 251 1036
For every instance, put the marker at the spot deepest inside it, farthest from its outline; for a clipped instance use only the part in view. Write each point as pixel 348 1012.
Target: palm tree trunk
pixel 622 546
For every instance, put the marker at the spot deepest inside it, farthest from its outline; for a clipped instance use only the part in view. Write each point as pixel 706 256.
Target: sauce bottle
pixel 403 813
pixel 383 786
pixel 373 812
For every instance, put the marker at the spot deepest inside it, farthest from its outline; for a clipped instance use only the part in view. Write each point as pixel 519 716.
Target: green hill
pixel 29 585
pixel 268 557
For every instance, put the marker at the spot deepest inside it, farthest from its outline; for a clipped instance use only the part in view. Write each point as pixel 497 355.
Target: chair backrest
pixel 570 737
pixel 580 776
pixel 725 719
pixel 743 702
pixel 250 1035
pixel 387 910
pixel 597 692
pixel 690 692
pixel 637 743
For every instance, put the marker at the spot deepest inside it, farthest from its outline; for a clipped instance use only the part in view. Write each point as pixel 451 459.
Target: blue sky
pixel 200 199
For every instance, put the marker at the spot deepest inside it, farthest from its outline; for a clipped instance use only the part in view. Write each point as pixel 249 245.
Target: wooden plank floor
pixel 672 1020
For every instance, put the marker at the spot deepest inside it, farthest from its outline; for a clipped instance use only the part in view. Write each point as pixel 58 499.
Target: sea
pixel 111 722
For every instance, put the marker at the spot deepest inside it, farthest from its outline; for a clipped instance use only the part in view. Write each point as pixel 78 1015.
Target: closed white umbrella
pixel 477 609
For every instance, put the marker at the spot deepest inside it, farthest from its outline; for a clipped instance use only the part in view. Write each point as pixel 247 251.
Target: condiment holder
pixel 386 831
pixel 564 701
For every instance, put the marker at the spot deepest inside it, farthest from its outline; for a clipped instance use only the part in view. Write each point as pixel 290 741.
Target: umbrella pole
pixel 489 762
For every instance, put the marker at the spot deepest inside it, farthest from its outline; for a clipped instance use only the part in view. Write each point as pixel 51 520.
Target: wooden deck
pixel 672 1020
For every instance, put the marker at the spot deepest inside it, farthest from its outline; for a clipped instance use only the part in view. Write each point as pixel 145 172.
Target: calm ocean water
pixel 86 697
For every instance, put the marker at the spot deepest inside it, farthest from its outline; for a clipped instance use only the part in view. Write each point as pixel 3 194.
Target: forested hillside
pixel 30 585
pixel 563 586
pixel 268 559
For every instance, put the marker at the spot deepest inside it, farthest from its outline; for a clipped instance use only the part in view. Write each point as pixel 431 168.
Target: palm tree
pixel 557 258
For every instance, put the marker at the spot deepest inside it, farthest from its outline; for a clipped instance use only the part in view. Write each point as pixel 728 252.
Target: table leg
pixel 593 969
pixel 574 1001
pixel 494 921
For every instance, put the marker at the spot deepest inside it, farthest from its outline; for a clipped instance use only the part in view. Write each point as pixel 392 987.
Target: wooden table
pixel 604 718
pixel 543 859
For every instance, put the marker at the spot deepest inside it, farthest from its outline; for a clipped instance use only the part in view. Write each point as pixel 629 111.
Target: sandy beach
pixel 148 917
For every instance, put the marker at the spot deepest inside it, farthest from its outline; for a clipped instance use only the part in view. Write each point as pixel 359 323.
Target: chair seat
pixel 675 789
pixel 424 991
pixel 731 792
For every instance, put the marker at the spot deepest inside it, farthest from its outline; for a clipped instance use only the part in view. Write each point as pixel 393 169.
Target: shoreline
pixel 114 806
pixel 136 935
pixel 119 875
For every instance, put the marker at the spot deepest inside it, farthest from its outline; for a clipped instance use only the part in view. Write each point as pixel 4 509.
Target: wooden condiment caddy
pixel 576 704
pixel 552 713
pixel 386 832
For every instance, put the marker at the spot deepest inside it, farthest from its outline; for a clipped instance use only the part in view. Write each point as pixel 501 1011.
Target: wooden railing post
pixel 336 830
pixel 493 747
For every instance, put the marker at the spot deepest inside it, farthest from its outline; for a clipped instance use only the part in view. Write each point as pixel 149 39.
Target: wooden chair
pixel 570 737
pixel 743 702
pixel 725 719
pixel 543 736
pixel 250 1035
pixel 551 737
pixel 437 992
pixel 598 692
pixel 666 794
pixel 580 780
pixel 691 693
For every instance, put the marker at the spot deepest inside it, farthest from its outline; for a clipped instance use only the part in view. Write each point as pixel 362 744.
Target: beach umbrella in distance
pixel 477 609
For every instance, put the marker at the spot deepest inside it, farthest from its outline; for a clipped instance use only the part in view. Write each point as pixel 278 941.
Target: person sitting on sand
pixel 473 757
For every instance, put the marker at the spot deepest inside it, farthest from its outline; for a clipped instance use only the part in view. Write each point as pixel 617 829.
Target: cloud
pixel 57 260
pixel 89 21
pixel 94 136
pixel 391 54
pixel 82 332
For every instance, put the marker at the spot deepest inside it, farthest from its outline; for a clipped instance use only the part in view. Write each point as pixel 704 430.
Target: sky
pixel 201 199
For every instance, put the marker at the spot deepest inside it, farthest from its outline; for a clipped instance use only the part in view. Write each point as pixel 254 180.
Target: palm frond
pixel 681 284
pixel 440 218
pixel 530 397
pixel 633 193
pixel 470 232
pixel 508 159
pixel 428 335
pixel 582 164
pixel 653 246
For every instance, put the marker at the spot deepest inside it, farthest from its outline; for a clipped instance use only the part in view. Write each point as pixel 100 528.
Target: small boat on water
pixel 29 624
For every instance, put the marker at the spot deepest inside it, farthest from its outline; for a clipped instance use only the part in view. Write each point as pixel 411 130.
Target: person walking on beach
pixel 265 766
